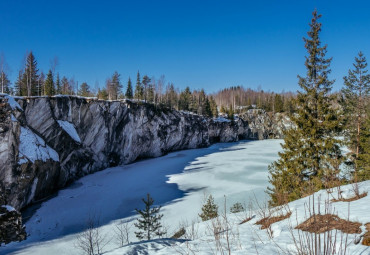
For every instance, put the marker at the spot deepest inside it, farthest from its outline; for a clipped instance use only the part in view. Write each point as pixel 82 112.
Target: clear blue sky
pixel 201 44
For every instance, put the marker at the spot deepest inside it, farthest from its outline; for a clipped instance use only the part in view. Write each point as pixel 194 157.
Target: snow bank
pixel 70 129
pixel 32 147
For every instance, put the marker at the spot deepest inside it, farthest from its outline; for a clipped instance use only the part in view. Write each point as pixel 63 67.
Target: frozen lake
pixel 178 181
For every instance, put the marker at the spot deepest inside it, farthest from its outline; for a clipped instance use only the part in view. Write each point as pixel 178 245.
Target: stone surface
pixel 11 227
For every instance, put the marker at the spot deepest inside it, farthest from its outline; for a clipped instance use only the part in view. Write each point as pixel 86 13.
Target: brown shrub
pixel 366 237
pixel 268 221
pixel 354 198
pixel 322 223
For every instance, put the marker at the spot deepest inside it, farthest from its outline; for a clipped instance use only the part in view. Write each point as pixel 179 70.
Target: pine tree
pixel 129 94
pixel 115 87
pixel 30 75
pixel 149 222
pixel 66 87
pixel 84 90
pixel 356 93
pixel 19 87
pixel 139 93
pixel 310 148
pixel 209 209
pixel 49 84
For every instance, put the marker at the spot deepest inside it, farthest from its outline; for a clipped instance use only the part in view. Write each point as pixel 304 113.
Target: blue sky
pixel 201 44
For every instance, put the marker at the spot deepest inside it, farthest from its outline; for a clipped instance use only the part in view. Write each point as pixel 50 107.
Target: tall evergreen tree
pixel 185 99
pixel 66 87
pixel 139 92
pixel 306 163
pixel 49 84
pixel 213 106
pixel 19 87
pixel 356 94
pixel 149 222
pixel 129 94
pixel 30 75
pixel 84 90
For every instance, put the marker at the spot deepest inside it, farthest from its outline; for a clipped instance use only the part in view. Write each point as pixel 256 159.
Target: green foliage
pixel 30 76
pixel 129 93
pixel 236 208
pixel 311 154
pixel 49 84
pixel 278 103
pixel 102 94
pixel 185 99
pixel 84 90
pixel 209 209
pixel 149 222
pixel 139 91
pixel 355 103
pixel 58 85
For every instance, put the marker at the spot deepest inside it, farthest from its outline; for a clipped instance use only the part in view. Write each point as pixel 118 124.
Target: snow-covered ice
pixel 178 182
pixel 70 129
pixel 32 147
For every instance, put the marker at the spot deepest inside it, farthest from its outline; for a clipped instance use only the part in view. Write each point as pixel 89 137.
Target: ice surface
pixel 70 129
pixel 178 182
pixel 32 147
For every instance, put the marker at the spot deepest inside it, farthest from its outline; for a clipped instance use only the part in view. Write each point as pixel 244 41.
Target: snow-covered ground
pixel 178 182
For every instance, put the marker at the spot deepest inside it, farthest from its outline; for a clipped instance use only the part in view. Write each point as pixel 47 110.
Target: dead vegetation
pixel 245 220
pixel 321 223
pixel 268 221
pixel 354 198
pixel 366 237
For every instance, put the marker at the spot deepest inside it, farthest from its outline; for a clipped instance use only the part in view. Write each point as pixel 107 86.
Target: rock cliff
pixel 48 142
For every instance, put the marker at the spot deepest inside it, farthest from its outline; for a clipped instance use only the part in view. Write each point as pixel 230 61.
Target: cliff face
pixel 46 143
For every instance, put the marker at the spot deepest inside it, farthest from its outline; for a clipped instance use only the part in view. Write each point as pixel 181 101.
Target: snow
pixel 11 101
pixel 178 182
pixel 221 119
pixel 14 119
pixel 32 147
pixel 70 129
pixel 8 208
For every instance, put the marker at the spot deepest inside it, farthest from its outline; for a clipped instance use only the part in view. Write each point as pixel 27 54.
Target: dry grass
pixel 245 220
pixel 354 198
pixel 322 223
pixel 268 221
pixel 366 237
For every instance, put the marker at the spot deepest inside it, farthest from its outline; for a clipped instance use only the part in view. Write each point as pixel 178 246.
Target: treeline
pixel 33 82
pixel 238 99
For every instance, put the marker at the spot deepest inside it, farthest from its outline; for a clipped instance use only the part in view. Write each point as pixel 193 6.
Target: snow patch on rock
pixel 11 101
pixel 32 147
pixel 70 129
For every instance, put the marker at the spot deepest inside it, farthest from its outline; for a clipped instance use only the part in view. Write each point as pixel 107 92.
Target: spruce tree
pixel 278 103
pixel 30 75
pixel 115 87
pixel 356 93
pixel 129 94
pixel 185 99
pixel 209 209
pixel 139 93
pixel 149 222
pixel 310 147
pixel 213 106
pixel 49 84
pixel 19 87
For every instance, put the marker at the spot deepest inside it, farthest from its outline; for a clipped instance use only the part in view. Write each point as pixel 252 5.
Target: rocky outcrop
pixel 47 142
pixel 11 227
